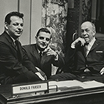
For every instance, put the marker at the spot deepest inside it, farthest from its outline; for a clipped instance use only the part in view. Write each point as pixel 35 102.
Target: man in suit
pixel 48 55
pixel 89 56
pixel 15 66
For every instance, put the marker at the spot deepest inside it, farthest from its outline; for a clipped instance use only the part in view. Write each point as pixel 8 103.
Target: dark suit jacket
pixel 11 64
pixel 94 59
pixel 45 62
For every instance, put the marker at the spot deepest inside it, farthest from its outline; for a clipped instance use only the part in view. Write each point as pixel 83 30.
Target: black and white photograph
pixel 51 51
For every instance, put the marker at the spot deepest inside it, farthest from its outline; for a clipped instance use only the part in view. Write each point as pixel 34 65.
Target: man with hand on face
pixel 41 55
pixel 15 66
pixel 88 56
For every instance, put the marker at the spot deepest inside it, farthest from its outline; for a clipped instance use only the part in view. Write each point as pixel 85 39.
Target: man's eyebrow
pixel 85 29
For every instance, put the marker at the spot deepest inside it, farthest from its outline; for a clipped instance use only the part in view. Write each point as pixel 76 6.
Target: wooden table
pixel 73 95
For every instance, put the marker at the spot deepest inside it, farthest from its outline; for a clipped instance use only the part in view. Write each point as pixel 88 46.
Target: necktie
pixel 18 49
pixel 40 54
pixel 17 44
pixel 86 49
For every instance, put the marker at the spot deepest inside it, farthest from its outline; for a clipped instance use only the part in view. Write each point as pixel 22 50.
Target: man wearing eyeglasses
pixel 41 55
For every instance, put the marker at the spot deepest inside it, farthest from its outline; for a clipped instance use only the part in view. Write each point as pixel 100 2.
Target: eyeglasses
pixel 42 38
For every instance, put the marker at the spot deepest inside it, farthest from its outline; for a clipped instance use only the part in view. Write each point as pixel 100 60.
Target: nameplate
pixel 30 88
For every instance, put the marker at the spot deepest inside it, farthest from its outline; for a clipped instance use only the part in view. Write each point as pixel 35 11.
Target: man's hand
pixel 52 53
pixel 102 71
pixel 41 74
pixel 78 40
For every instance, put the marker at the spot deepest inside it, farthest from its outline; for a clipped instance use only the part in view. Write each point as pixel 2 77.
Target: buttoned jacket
pixel 94 59
pixel 11 64
pixel 45 62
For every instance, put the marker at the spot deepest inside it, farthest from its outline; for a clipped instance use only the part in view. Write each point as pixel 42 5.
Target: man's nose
pixel 20 27
pixel 44 40
pixel 84 32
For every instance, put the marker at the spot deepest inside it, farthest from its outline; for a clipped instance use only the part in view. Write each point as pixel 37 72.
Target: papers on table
pixel 68 83
pixel 75 83
pixel 92 84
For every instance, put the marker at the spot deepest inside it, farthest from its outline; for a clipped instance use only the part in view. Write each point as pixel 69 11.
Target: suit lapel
pixel 12 46
pixel 44 59
pixel 94 46
pixel 36 53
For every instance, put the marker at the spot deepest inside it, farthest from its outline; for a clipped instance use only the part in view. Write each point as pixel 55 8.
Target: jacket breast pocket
pixel 99 52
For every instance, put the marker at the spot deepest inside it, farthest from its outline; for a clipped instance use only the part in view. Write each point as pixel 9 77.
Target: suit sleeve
pixel 60 62
pixel 28 63
pixel 9 62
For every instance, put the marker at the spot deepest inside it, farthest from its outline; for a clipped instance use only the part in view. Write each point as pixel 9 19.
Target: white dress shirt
pixel 89 46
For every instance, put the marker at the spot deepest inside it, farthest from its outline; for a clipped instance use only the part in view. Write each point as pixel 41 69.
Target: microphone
pixel 78 44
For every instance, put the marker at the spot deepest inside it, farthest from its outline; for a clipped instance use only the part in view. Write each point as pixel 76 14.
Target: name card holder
pixel 29 88
pixel 15 91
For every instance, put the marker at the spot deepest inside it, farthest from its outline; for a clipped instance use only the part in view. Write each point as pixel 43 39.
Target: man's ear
pixel 94 33
pixel 50 40
pixel 6 25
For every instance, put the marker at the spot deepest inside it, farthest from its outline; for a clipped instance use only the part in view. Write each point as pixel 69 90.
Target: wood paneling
pixel 24 7
pixel 6 7
pixel 32 16
pixel 35 18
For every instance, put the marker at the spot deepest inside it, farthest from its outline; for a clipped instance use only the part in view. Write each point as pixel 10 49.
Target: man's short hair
pixel 9 15
pixel 42 30
pixel 93 27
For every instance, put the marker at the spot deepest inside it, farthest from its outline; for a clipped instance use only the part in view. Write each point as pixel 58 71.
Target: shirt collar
pixel 10 36
pixel 92 41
